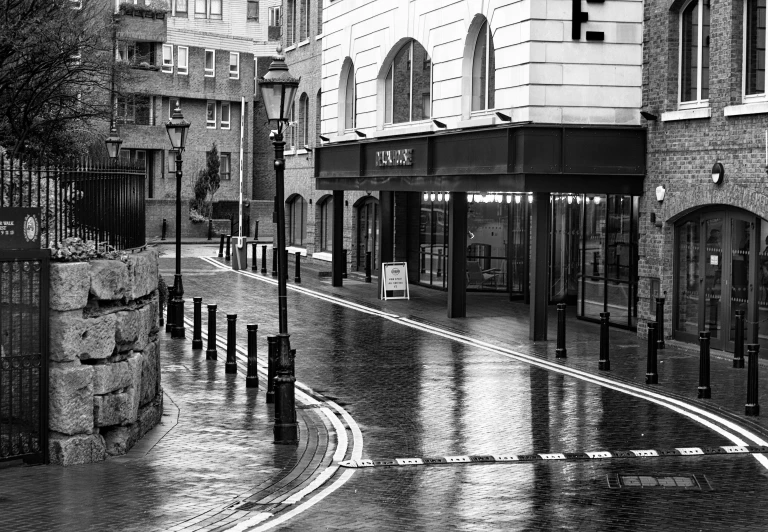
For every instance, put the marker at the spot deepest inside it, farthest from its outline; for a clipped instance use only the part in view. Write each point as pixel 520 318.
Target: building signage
pixel 402 157
pixel 394 284
pixel 20 228
pixel 578 18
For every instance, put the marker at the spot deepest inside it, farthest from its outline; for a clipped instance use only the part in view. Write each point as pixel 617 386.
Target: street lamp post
pixel 278 89
pixel 113 143
pixel 177 129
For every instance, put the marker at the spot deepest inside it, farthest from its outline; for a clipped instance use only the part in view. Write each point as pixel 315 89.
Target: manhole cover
pixel 660 481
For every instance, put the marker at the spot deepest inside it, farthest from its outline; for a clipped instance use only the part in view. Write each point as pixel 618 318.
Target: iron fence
pixel 94 200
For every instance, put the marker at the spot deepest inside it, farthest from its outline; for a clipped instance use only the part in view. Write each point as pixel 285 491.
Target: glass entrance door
pixel 712 282
pixel 367 232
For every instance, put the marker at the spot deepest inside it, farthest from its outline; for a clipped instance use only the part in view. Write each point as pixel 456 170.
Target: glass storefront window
pixel 593 280
pixel 688 277
pixel 487 235
pixel 433 238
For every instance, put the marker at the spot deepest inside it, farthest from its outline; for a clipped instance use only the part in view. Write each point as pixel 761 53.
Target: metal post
pixel 560 351
pixel 738 347
pixel 231 365
pixel 228 255
pixel 165 225
pixel 221 246
pixel 440 262
pixel 256 230
pixel 178 285
pixel 605 362
pixel 705 392
pixel 211 353
pixel 652 372
pixel 344 271
pixel 285 253
pixel 197 333
pixel 660 323
pixel 274 262
pixel 423 261
pixel 252 378
pixel 752 407
pixel 297 278
pixel 367 266
pixel 169 320
pixel 254 260
pixel 271 363
pixel 263 260
pixel 210 229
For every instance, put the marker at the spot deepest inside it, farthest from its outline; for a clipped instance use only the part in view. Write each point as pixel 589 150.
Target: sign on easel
pixel 394 284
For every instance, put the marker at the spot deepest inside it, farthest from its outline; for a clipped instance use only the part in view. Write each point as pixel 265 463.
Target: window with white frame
pixel 326 224
pixel 408 81
pixel 754 49
pixel 234 65
pixel 210 115
pixel 694 53
pixel 181 7
pixel 303 121
pixel 350 108
pixel 172 103
pixel 210 63
pixel 253 10
pixel 167 58
pixel 215 9
pixel 274 16
pixel 182 60
pixel 290 130
pixel 297 221
pixel 225 171
pixel 225 115
pixel 304 21
pixel 291 22
pixel 484 71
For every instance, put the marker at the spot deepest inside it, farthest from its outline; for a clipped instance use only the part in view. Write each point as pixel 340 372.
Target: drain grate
pixel 661 481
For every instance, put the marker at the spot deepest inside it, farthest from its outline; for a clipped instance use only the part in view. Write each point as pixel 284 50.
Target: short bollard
pixel 439 262
pixel 652 372
pixel 263 260
pixel 274 262
pixel 228 255
pixel 221 246
pixel 423 261
pixel 752 407
pixel 165 227
pixel 252 377
pixel 254 260
pixel 344 268
pixel 297 277
pixel 704 391
pixel 197 333
pixel 231 365
pixel 367 266
pixel 211 353
pixel 210 229
pixel 738 341
pixel 271 362
pixel 660 323
pixel 256 230
pixel 560 351
pixel 170 316
pixel 605 362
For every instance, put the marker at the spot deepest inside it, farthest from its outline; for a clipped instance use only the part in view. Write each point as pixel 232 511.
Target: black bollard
pixel 439 262
pixel 652 372
pixel 256 230
pixel 660 323
pixel 170 319
pixel 297 278
pixel 263 260
pixel 705 392
pixel 344 258
pixel 211 353
pixel 228 255
pixel 752 407
pixel 605 362
pixel 165 226
pixel 367 266
pixel 254 252
pixel 252 378
pixel 271 361
pixel 738 345
pixel 274 262
pixel 560 351
pixel 197 333
pixel 231 365
pixel 210 229
pixel 423 261
pixel 221 246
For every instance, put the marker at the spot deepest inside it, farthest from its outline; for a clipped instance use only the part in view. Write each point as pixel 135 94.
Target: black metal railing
pixel 92 200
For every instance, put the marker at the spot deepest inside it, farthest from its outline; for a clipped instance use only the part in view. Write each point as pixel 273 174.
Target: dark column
pixel 538 267
pixel 387 235
pixel 457 255
pixel 337 249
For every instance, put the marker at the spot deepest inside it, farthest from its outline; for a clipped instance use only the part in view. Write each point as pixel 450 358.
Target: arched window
pixel 694 52
pixel 303 131
pixel 407 85
pixel 297 221
pixel 318 116
pixel 348 107
pixel 326 224
pixel 483 71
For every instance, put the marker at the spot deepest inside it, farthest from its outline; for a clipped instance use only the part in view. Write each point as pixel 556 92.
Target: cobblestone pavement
pixel 416 393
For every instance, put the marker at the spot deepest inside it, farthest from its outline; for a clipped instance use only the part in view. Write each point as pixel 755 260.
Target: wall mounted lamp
pixel 439 124
pixel 360 134
pixel 324 139
pixel 649 116
pixel 660 192
pixel 718 173
pixel 503 117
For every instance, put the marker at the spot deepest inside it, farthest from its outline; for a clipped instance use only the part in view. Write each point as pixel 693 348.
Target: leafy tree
pixel 208 182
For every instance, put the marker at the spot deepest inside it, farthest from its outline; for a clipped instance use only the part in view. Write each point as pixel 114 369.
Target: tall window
pixel 181 7
pixel 210 63
pixel 303 120
pixel 253 10
pixel 290 131
pixel 483 71
pixel 210 114
pixel 694 52
pixel 274 16
pixel 215 8
pixel 349 100
pixel 200 8
pixel 304 26
pixel 318 116
pixel 182 57
pixel 234 65
pixel 290 37
pixel 225 171
pixel 167 58
pixel 326 225
pixel 297 221
pixel 754 58
pixel 407 86
pixel 225 115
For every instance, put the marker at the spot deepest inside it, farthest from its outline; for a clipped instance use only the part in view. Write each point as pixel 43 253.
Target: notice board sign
pixel 20 228
pixel 394 284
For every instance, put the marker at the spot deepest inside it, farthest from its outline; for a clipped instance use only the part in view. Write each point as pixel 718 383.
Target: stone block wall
pixel 104 372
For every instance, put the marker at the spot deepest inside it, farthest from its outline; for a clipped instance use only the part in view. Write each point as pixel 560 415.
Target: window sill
pixel 234 78
pixel 480 120
pixel 324 256
pixel 302 43
pixel 292 250
pixel 290 48
pixel 407 128
pixel 754 108
pixel 687 114
pixel 319 37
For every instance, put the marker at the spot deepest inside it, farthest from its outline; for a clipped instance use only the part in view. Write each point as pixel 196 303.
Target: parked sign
pixel 394 284
pixel 20 228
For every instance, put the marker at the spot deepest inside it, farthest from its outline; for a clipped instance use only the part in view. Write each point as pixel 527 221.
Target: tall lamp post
pixel 177 129
pixel 278 89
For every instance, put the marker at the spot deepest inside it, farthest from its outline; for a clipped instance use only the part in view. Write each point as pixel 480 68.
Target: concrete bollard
pixel 704 390
pixel 660 323
pixel 271 362
pixel 297 277
pixel 230 366
pixel 263 260
pixel 170 319
pixel 560 351
pixel 254 260
pixel 197 333
pixel 274 262
pixel 605 361
pixel 211 353
pixel 228 256
pixel 221 246
pixel 752 407
pixel 165 228
pixel 252 377
pixel 367 266
pixel 738 341
pixel 652 371
pixel 344 258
